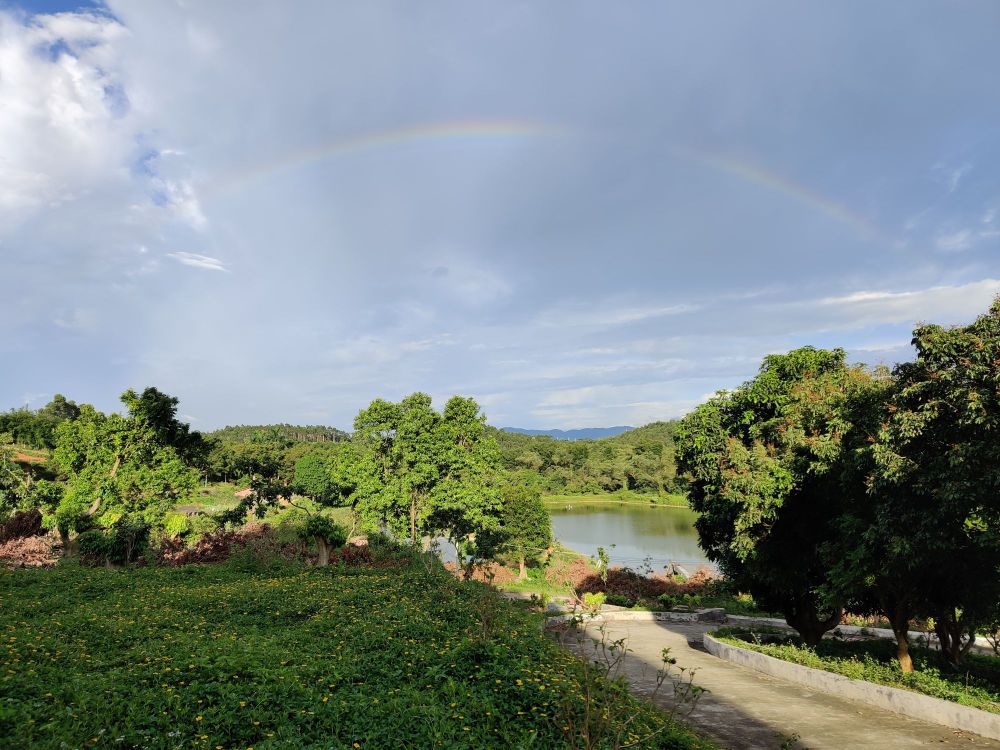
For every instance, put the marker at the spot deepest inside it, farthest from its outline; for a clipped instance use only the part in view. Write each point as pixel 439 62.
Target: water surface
pixel 637 531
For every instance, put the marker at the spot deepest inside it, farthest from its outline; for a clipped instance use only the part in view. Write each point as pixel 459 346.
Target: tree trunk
pixel 900 621
pixel 64 538
pixel 950 628
pixel 802 614
pixel 524 570
pixel 324 552
pixel 413 521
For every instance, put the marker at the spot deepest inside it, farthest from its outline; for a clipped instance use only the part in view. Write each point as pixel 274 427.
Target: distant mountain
pixel 585 433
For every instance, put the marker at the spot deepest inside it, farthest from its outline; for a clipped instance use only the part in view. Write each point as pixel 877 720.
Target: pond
pixel 637 531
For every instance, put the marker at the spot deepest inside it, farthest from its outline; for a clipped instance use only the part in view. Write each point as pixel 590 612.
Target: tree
pixel 465 502
pixel 122 467
pixel 765 464
pixel 422 474
pixel 526 523
pixel 13 481
pixel 400 446
pixel 936 484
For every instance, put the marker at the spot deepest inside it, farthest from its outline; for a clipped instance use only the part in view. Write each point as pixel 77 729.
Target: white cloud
pixel 62 123
pixel 606 315
pixel 944 304
pixel 198 261
pixel 76 319
pixel 962 239
pixel 952 176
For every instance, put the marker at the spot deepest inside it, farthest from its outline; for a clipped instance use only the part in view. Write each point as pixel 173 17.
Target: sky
pixel 581 214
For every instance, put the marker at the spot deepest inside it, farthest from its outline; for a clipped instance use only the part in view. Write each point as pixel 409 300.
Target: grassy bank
pixel 249 654
pixel 620 498
pixel 976 684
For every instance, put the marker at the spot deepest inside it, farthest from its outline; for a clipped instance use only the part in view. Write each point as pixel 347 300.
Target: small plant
pixel 608 717
pixel 667 601
pixel 592 602
pixel 790 742
pixel 603 561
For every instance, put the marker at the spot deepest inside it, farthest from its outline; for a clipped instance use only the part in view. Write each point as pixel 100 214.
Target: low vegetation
pixel 976 684
pixel 265 653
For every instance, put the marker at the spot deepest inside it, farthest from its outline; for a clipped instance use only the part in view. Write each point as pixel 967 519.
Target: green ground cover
pixel 673 500
pixel 975 684
pixel 268 655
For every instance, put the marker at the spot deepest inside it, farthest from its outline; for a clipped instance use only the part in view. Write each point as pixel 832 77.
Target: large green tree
pixel 128 466
pixel 932 524
pixel 423 474
pixel 766 468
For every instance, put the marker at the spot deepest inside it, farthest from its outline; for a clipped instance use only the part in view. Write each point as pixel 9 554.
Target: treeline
pixel 640 460
pixel 36 428
pixel 278 432
pixel 824 486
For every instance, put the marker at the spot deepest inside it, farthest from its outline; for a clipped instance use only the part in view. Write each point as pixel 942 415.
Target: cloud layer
pixel 582 218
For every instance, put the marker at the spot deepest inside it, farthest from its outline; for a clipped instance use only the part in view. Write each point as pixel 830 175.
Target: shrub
pixel 593 602
pixel 618 600
pixel 218 546
pixel 24 524
pixel 176 525
pixel 120 544
pixel 668 601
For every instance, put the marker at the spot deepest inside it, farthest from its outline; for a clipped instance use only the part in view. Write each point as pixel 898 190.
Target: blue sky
pixel 581 214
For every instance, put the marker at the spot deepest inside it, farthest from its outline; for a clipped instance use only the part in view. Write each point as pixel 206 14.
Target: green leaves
pixel 124 465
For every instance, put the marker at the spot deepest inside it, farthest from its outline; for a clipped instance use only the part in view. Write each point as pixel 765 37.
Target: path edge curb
pixel 897 700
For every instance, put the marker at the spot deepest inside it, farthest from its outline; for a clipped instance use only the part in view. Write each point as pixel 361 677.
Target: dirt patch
pixel 29 552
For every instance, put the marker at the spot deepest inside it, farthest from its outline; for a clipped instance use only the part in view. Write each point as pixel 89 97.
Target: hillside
pixel 639 460
pixel 583 433
pixel 292 433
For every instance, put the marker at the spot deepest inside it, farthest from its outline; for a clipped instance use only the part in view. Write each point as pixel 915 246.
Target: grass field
pixel 620 498
pixel 280 656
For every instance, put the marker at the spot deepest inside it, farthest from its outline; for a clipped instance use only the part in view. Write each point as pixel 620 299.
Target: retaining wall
pixel 904 702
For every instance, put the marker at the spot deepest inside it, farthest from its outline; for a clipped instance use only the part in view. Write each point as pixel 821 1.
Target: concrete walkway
pixel 748 710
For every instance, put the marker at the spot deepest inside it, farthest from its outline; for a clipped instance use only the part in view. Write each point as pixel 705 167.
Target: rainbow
pixel 514 129
pixel 426 133
pixel 754 174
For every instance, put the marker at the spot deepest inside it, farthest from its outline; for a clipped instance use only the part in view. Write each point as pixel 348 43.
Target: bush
pixel 618 600
pixel 176 525
pixel 122 543
pixel 21 525
pixel 668 601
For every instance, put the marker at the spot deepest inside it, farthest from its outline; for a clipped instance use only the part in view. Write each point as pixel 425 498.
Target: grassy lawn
pixel 249 654
pixel 215 497
pixel 619 498
pixel 976 684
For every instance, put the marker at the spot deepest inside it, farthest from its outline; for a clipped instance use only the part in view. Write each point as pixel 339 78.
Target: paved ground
pixel 748 710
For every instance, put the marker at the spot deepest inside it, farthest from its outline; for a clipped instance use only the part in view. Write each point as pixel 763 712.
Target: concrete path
pixel 748 710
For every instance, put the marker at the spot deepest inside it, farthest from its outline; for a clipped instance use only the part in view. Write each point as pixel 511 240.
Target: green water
pixel 637 531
